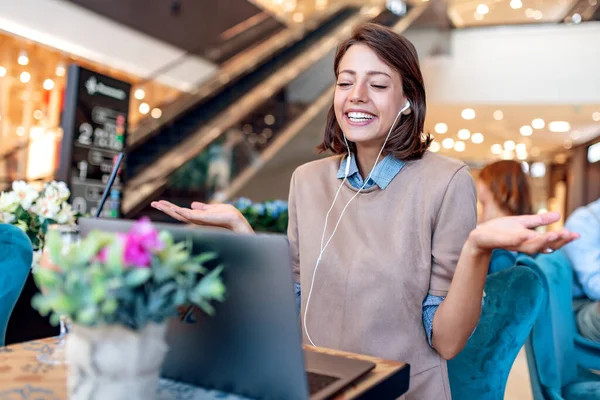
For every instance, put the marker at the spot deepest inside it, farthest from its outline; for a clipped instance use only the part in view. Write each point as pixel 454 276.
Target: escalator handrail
pixel 238 65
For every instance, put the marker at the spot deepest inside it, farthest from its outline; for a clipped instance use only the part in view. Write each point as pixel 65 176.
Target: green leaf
pixel 205 257
pixel 46 278
pixel 87 316
pixel 109 307
pixel 137 276
pixel 98 292
pixel 55 319
pixel 210 288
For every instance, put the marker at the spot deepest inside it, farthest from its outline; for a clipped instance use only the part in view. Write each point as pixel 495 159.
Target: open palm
pixel 517 234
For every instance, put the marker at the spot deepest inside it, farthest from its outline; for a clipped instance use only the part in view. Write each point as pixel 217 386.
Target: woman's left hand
pixel 517 234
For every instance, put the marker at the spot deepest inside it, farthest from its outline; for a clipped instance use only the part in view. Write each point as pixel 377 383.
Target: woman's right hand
pixel 220 215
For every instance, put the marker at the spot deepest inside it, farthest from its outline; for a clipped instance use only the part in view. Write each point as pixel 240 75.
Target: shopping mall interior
pixel 220 102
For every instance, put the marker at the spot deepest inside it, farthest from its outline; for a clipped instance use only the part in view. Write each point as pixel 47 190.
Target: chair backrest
pixel 16 254
pixel 550 348
pixel 514 297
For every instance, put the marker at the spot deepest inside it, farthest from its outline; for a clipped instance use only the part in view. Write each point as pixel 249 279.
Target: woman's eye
pixel 343 84
pixel 379 86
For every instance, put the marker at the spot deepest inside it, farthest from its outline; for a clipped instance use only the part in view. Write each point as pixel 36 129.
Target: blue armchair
pixel 554 368
pixel 514 297
pixel 16 255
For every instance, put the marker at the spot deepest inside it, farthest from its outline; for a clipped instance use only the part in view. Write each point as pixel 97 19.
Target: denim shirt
pixel 584 253
pixel 382 175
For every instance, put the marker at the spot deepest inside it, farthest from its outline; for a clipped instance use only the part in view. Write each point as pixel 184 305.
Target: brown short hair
pixel 407 140
pixel 509 186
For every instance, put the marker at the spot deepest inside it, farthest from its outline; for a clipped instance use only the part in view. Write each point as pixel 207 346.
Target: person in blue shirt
pixel 584 255
pixel 503 191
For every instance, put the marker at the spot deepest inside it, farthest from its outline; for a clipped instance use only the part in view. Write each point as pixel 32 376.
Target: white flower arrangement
pixel 32 210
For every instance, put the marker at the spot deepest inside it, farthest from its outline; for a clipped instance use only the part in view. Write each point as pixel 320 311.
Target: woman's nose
pixel 359 94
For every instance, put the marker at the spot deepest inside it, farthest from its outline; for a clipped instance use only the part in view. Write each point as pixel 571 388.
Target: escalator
pixel 225 150
pixel 155 153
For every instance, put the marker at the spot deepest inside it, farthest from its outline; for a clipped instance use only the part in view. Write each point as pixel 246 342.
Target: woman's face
pixel 488 207
pixel 368 96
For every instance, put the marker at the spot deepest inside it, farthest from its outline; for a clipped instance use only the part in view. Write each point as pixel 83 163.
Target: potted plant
pixel 269 216
pixel 119 290
pixel 33 210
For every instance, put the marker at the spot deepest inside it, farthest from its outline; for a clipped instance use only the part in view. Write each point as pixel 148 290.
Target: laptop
pixel 252 346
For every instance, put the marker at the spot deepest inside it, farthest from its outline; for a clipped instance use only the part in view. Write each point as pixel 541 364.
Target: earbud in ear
pixel 406 106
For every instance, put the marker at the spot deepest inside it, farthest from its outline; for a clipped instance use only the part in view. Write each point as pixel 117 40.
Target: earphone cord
pixel 340 218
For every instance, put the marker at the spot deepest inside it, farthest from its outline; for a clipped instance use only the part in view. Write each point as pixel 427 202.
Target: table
pixel 22 377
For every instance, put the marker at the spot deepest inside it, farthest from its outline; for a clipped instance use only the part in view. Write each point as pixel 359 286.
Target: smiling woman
pixel 403 276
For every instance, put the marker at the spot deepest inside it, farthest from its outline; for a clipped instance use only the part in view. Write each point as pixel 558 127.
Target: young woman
pixel 390 265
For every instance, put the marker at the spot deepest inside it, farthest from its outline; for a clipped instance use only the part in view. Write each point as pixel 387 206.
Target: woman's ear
pixel 409 109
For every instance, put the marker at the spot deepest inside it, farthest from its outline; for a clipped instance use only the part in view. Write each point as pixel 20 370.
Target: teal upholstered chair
pixel 501 260
pixel 554 368
pixel 514 297
pixel 15 263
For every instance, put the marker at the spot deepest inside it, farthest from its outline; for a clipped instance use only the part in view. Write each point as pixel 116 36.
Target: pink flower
pixel 135 253
pixel 146 235
pixel 140 244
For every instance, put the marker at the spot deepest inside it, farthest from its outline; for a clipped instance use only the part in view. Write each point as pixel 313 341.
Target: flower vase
pixel 114 362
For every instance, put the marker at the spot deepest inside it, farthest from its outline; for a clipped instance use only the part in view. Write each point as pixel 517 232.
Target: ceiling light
pixel 521 147
pixel 23 59
pixel 575 135
pixel 595 116
pixel 593 153
pixel 464 134
pixel 529 13
pixel 496 148
pixel 435 147
pixel 477 138
pixel 20 131
pixel 559 126
pixel 537 170
pixel 516 4
pixel 576 18
pixel 535 151
pixel 25 77
pixel 38 114
pixel 482 9
pixel 144 108
pixel 441 128
pixel 537 14
pixel 48 84
pixel 269 119
pixel 468 113
pixel 526 130
pixel 538 123
pixel 509 145
pixel 139 94
pixel 289 6
pixel 522 156
pixel 156 113
pixel 459 146
pixel 498 115
pixel 507 155
pixel 448 143
pixel 2 71
pixel 568 144
pixel 60 70
pixel 525 167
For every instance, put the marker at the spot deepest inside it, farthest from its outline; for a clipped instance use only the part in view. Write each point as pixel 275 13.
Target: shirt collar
pixel 384 172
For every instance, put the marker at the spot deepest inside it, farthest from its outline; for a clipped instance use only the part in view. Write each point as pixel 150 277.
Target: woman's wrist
pixel 241 225
pixel 472 248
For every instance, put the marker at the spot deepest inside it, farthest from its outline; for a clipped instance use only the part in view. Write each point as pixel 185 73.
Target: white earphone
pixel 347 170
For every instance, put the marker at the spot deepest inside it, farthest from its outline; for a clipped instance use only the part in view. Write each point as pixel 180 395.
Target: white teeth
pixel 359 116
